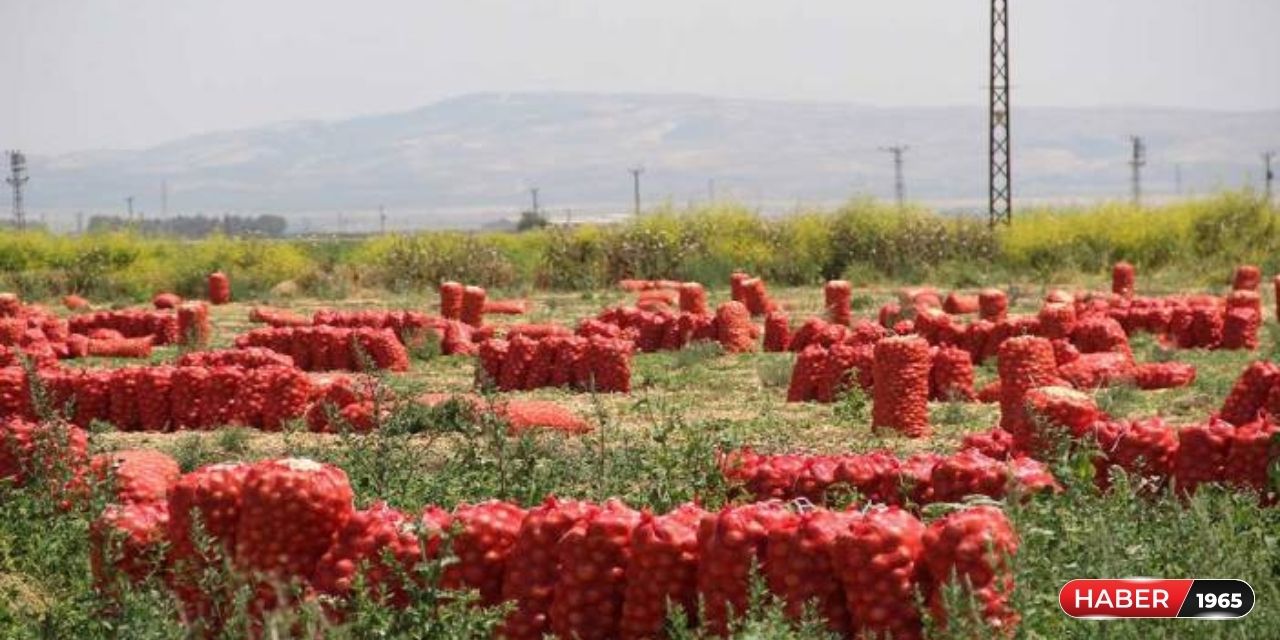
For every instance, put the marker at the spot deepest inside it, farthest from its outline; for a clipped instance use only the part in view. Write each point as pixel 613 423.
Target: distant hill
pixel 468 161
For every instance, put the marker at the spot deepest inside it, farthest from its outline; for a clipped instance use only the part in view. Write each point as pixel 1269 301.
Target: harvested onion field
pixel 410 501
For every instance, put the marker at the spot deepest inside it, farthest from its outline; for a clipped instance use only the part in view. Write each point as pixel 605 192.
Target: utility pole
pixel 533 194
pixel 1000 160
pixel 128 200
pixel 1268 176
pixel 1136 163
pixel 382 219
pixel 635 177
pixel 899 184
pixel 18 179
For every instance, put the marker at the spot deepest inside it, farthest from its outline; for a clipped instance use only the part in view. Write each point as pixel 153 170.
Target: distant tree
pixel 531 220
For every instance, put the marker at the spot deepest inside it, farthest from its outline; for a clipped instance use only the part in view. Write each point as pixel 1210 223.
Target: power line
pixel 18 179
pixel 899 184
pixel 1136 163
pixel 1000 160
pixel 635 177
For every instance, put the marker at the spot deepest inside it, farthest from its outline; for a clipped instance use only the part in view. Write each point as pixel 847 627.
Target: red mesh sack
pixel 800 569
pixel 570 357
pixel 610 362
pixel 30 446
pixel 485 534
pixel 951 375
pixel 730 543
pixel 1247 278
pixel 805 374
pixel 154 385
pixel 492 358
pixel 837 296
pixel 530 584
pixel 662 571
pixel 210 495
pixel 528 415
pixel 219 288
pixel 737 292
pixel 126 543
pixel 972 548
pixel 880 561
pixel 1249 394
pixel 1054 412
pixel 1057 320
pixel 1201 457
pixel 1240 329
pixel 593 555
pixel 734 330
pixel 291 510
pixel 777 329
pixel 75 303
pixel 473 299
pixel 166 301
pixel 451 294
pixel 1164 375
pixel 693 298
pixel 958 304
pixel 136 476
pixel 968 473
pixel 1122 279
pixel 193 324
pixel 901 393
pixel 996 443
pixel 874 475
pixel 1143 448
pixel 993 305
pixel 361 549
pixel 937 327
pixel 1098 335
pixel 1024 364
pixel 889 315
pixel 1253 448
pixel 511 376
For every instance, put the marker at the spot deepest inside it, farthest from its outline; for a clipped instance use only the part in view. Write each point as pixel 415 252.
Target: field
pixel 658 447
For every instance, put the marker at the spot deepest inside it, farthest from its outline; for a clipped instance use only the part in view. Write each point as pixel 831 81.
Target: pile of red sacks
pixel 325 348
pixel 881 477
pixel 166 398
pixel 569 568
pixel 595 363
pixel 751 292
pixel 666 330
pixel 1233 448
pixel 32 332
pixel 160 326
pixel 835 357
pixel 469 304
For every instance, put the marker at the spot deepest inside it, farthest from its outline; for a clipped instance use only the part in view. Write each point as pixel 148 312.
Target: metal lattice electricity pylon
pixel 18 179
pixel 1001 166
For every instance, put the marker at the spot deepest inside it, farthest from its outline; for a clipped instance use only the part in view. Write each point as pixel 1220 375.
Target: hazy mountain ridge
pixel 471 159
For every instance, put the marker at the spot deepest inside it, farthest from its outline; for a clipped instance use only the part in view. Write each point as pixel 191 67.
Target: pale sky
pixel 81 74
